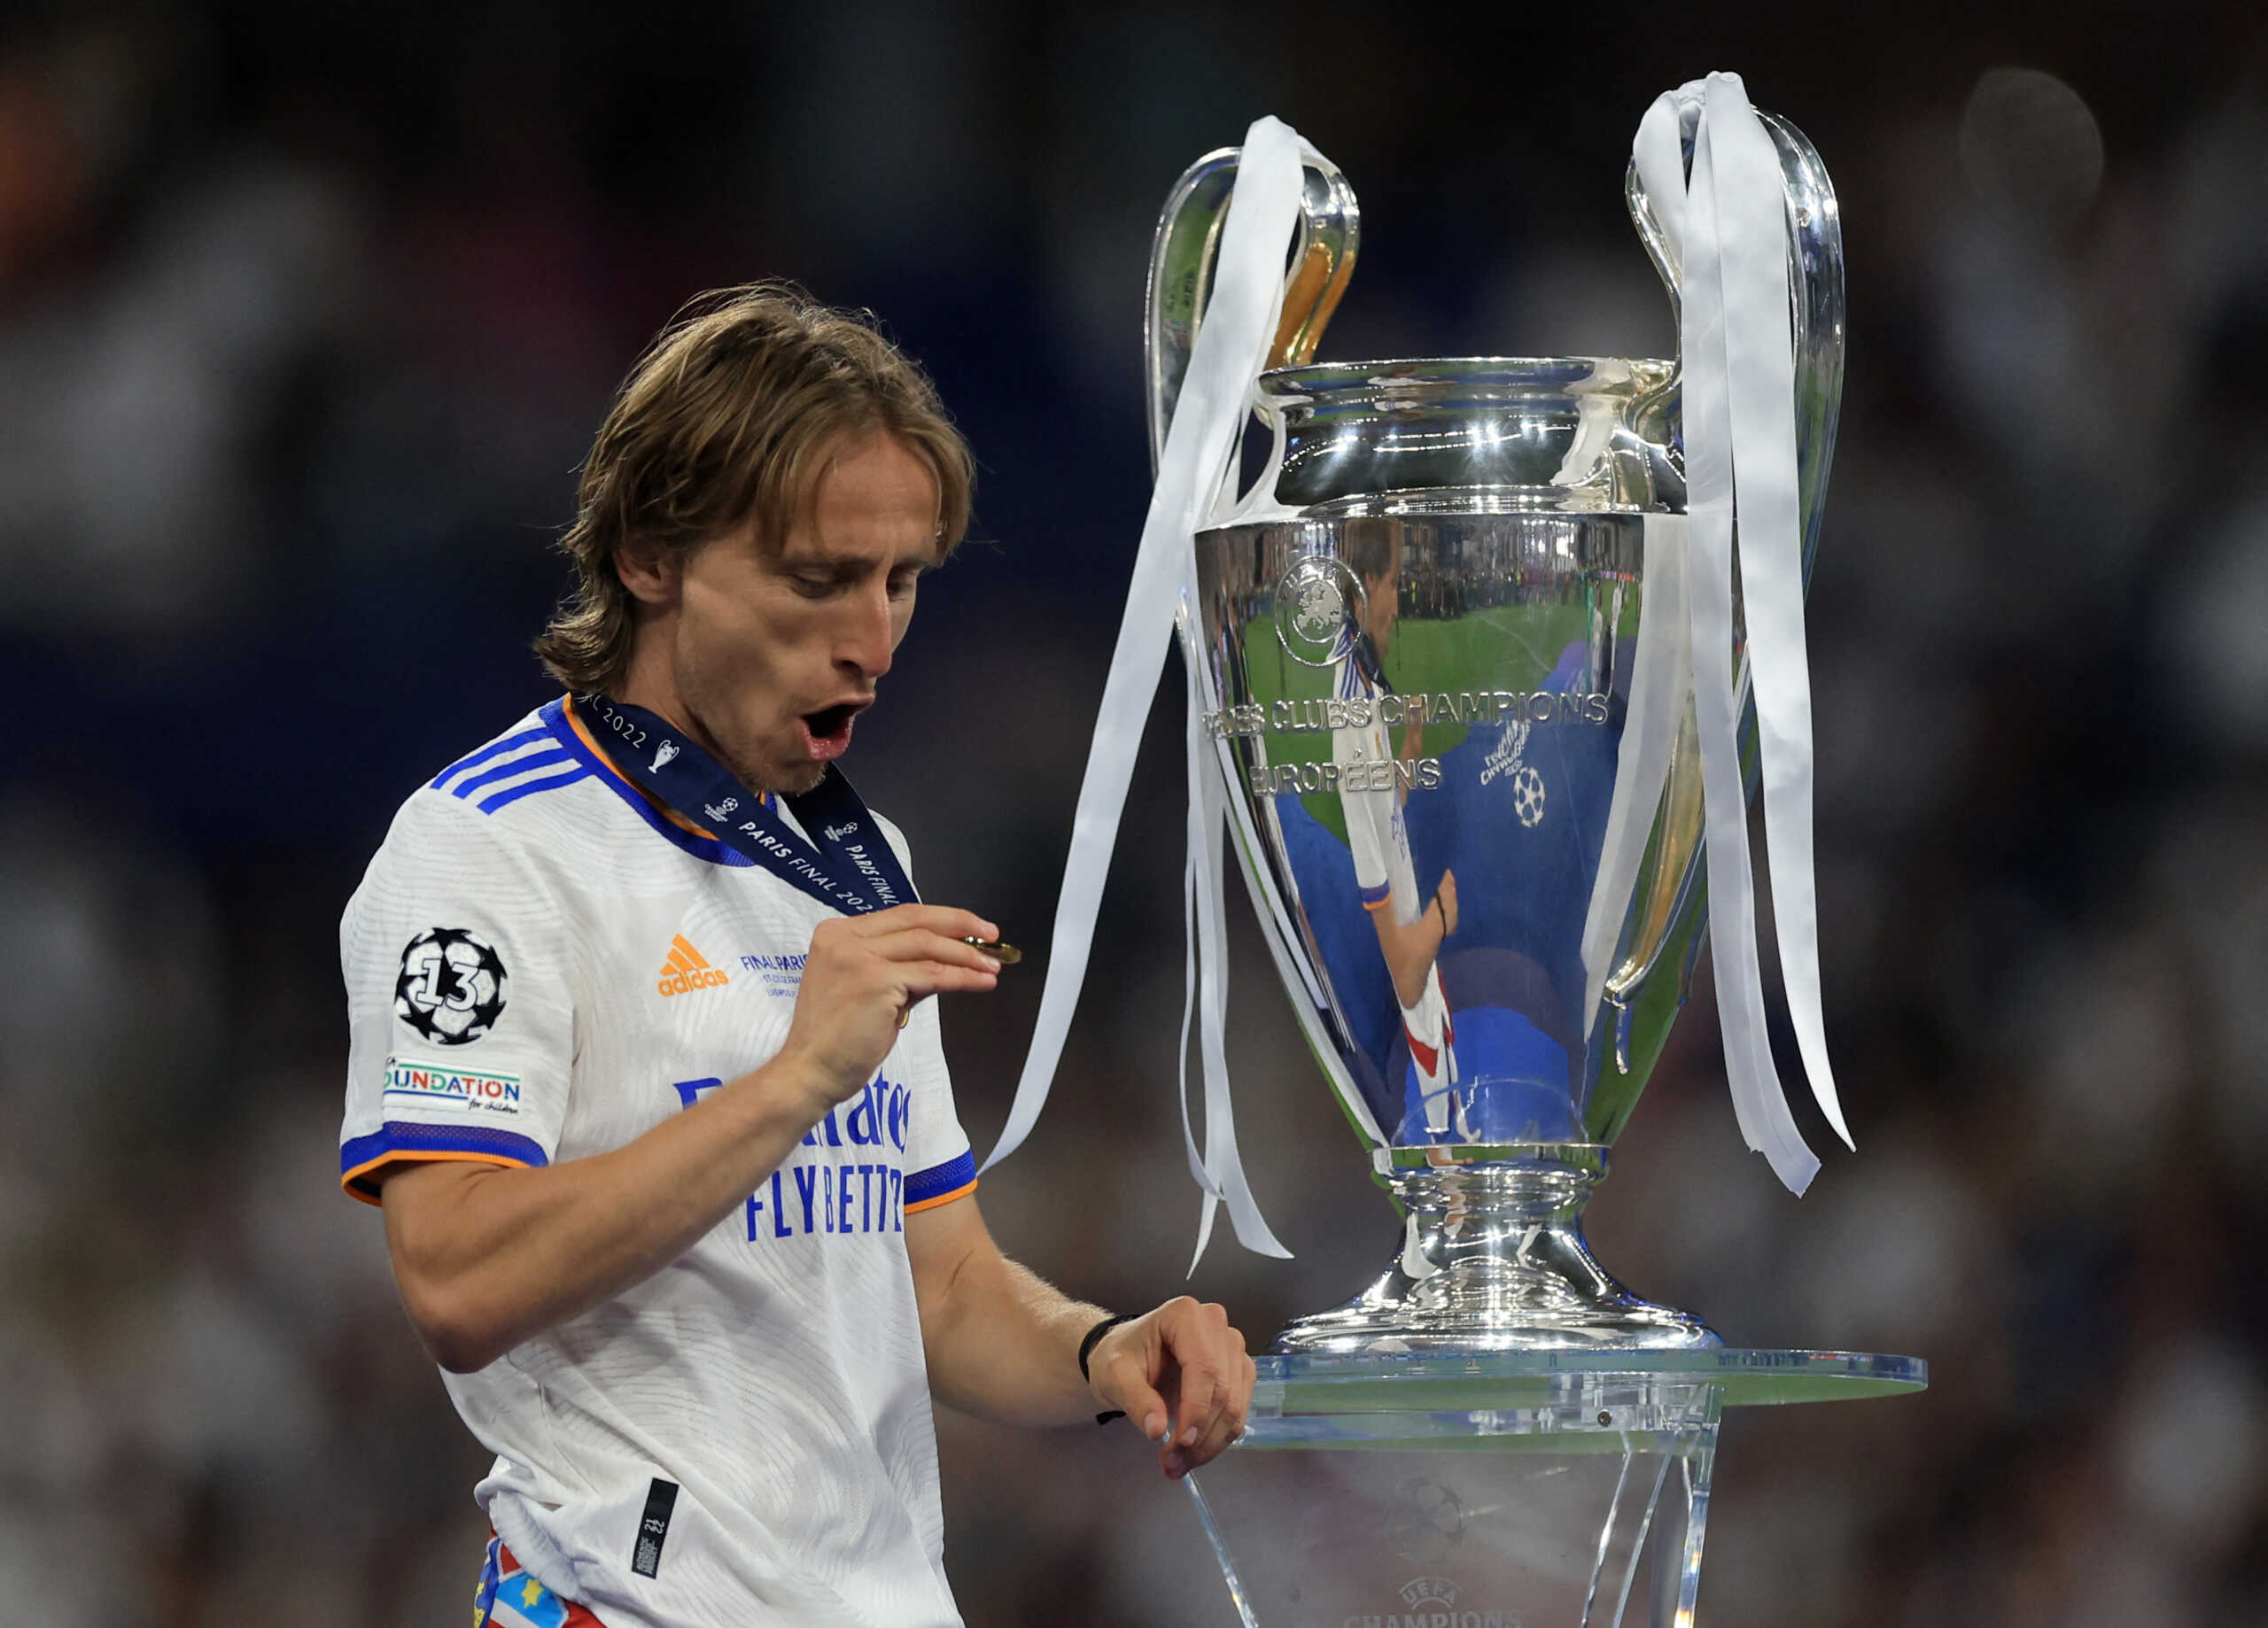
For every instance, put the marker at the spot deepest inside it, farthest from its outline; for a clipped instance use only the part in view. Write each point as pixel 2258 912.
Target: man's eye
pixel 901 586
pixel 815 587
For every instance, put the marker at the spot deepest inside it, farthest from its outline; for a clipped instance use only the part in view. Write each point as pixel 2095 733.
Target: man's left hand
pixel 1181 1373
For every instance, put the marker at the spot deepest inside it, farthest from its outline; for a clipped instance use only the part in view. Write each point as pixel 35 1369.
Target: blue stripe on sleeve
pixel 939 1180
pixel 545 759
pixel 1376 896
pixel 513 793
pixel 489 751
pixel 410 1137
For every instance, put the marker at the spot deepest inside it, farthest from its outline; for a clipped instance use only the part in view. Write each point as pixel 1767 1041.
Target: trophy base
pixel 1563 1487
pixel 1493 1259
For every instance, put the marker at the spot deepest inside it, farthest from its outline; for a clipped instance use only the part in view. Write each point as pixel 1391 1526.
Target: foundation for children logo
pixel 411 1086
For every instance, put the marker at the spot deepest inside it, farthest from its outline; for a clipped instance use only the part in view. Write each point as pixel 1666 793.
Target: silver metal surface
pixel 1416 663
pixel 1493 1259
pixel 1182 256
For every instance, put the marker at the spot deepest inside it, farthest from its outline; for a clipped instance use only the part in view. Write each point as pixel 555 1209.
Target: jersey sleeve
pixel 459 1003
pixel 939 1164
pixel 1366 812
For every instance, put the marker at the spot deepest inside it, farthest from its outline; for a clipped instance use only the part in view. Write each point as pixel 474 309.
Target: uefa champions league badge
pixel 452 986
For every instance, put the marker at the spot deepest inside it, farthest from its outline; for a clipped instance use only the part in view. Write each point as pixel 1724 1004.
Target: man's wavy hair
pixel 734 413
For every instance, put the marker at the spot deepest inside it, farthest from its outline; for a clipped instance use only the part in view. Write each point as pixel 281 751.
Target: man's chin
pixel 789 777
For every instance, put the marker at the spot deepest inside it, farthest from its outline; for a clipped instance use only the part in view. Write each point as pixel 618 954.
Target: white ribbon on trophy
pixel 1726 228
pixel 1195 485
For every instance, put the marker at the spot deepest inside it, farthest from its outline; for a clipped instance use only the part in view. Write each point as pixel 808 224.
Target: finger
pixel 1236 1389
pixel 1214 1434
pixel 1200 1398
pixel 916 980
pixel 1125 1385
pixel 939 919
pixel 1186 1329
pixel 1221 1432
pixel 920 944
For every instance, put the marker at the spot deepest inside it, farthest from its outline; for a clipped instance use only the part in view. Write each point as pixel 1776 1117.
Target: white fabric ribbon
pixel 1726 225
pixel 1195 482
pixel 1661 679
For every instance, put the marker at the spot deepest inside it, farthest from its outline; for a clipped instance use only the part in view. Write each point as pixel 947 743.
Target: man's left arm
pixel 1003 1344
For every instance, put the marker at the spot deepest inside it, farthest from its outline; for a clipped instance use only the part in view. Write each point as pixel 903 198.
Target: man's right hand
pixel 862 976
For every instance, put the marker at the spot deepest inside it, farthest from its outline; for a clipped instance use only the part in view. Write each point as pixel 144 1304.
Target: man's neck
pixel 649 683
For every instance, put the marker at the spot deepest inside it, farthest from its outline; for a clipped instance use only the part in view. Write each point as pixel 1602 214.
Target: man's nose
pixel 865 644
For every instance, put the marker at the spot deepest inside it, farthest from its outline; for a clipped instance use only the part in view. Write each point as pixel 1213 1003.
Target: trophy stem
pixel 1493 1258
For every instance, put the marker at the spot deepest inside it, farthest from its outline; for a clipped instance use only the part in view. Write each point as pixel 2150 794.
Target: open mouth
pixel 826 733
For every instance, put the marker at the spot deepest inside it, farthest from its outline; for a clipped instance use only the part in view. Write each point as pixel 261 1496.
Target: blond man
pixel 646 1072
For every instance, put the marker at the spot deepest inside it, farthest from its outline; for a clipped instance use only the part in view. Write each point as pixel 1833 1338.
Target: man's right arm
pixel 487 1256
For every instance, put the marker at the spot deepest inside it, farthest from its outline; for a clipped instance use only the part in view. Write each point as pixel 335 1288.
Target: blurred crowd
pixel 306 315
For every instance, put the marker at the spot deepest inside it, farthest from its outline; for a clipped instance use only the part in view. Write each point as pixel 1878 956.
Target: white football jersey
pixel 542 965
pixel 1386 876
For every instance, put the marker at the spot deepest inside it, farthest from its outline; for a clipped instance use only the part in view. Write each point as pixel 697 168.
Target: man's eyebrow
pixel 842 570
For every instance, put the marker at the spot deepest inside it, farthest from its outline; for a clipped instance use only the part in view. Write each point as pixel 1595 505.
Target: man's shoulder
pixel 490 798
pixel 536 753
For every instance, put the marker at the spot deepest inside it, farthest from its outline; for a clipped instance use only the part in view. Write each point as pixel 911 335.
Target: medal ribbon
pixel 846 861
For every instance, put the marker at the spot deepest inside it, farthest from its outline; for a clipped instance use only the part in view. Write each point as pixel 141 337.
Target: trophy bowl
pixel 1415 641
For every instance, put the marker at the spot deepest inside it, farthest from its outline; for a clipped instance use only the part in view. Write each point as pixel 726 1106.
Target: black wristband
pixel 1094 1335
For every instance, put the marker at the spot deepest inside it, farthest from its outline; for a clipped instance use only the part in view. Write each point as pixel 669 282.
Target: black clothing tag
pixel 653 1526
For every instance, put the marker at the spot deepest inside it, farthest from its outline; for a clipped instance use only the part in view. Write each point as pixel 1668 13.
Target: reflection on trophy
pixel 1411 928
pixel 1454 658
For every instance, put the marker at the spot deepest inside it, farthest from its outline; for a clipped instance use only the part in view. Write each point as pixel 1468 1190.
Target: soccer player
pixel 645 1072
pixel 1409 933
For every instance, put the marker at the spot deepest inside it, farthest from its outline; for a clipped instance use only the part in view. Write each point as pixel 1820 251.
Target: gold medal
pixel 1004 953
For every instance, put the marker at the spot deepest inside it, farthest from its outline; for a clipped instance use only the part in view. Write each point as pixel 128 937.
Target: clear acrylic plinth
pixel 1553 1489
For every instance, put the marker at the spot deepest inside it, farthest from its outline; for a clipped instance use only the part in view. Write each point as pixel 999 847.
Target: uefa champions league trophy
pixel 1446 652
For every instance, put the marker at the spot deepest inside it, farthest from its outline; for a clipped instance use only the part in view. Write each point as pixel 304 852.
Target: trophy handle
pixel 1815 303
pixel 1816 313
pixel 1182 256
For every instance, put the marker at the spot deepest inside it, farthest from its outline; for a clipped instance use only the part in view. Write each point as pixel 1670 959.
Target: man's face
pixel 1382 602
pixel 775 651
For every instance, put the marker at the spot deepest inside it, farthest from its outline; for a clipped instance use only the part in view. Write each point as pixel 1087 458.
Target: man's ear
pixel 653 574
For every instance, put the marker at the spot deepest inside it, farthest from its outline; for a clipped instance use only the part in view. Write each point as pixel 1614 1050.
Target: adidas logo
pixel 688 970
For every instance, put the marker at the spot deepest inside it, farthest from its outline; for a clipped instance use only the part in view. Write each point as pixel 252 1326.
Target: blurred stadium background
pixel 306 313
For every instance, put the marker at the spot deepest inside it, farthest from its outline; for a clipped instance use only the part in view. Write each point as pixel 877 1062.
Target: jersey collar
pixel 560 719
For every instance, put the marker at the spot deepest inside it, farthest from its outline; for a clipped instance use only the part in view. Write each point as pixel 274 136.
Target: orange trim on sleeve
pixel 1381 905
pixel 659 807
pixel 413 1156
pixel 931 1204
